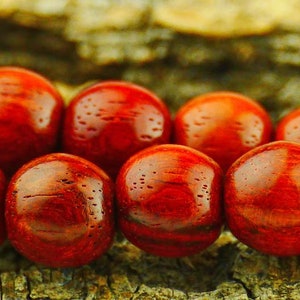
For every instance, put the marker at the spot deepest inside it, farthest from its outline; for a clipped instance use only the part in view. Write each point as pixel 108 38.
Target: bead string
pixel 169 189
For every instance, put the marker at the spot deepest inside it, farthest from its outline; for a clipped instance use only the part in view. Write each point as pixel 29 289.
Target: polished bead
pixel 224 125
pixel 110 121
pixel 289 127
pixel 30 116
pixel 169 200
pixel 59 211
pixel 262 198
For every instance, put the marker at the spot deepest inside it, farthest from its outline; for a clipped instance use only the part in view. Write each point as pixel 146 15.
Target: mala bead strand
pixel 170 198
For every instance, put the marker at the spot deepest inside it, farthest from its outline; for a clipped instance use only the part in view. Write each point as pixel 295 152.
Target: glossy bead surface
pixel 30 116
pixel 110 121
pixel 289 127
pixel 168 200
pixel 223 125
pixel 2 200
pixel 59 211
pixel 262 198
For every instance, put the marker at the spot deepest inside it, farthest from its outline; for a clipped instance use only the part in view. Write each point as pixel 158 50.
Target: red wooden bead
pixel 289 127
pixel 2 198
pixel 223 125
pixel 110 121
pixel 168 200
pixel 59 211
pixel 262 198
pixel 30 115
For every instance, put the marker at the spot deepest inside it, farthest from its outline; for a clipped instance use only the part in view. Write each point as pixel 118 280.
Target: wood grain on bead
pixel 30 116
pixel 110 121
pixel 168 200
pixel 59 211
pixel 224 125
pixel 262 198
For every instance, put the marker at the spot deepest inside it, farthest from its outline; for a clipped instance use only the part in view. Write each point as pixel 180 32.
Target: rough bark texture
pixel 177 48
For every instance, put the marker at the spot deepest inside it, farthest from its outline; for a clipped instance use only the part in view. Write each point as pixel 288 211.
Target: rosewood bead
pixel 59 211
pixel 2 200
pixel 110 121
pixel 30 116
pixel 262 198
pixel 168 200
pixel 289 127
pixel 223 125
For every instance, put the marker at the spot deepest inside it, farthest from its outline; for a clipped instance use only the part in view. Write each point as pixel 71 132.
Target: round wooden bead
pixel 30 116
pixel 169 200
pixel 59 211
pixel 262 198
pixel 110 121
pixel 289 127
pixel 223 125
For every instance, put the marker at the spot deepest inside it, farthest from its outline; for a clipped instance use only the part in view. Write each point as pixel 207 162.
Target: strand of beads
pixel 171 198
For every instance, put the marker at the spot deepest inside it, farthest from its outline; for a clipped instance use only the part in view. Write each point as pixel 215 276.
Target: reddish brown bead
pixel 110 121
pixel 59 211
pixel 289 127
pixel 30 115
pixel 223 125
pixel 262 198
pixel 2 200
pixel 168 199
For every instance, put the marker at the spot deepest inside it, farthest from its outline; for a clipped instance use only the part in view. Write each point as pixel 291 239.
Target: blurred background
pixel 177 48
